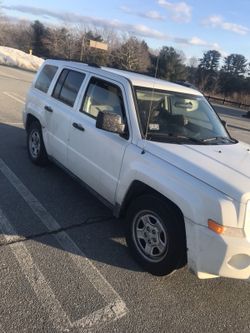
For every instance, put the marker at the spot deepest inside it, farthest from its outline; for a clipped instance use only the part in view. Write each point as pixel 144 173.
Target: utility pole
pixel 82 47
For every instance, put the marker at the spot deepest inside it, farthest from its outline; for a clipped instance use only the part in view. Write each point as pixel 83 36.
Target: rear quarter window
pixel 45 78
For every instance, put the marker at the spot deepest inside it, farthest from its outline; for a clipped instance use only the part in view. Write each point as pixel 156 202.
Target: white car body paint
pixel 204 181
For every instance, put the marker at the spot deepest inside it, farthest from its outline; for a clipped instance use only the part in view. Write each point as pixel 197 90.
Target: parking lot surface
pixel 64 263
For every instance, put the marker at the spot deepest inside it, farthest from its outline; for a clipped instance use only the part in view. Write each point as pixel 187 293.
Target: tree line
pixel 228 76
pixel 212 74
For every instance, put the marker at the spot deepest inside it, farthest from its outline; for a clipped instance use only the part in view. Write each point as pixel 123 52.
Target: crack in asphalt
pixel 88 221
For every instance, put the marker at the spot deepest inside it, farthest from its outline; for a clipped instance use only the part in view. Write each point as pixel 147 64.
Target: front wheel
pixel 35 144
pixel 156 235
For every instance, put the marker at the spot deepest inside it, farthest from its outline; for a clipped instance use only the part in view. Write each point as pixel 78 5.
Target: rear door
pixel 39 96
pixel 94 155
pixel 59 109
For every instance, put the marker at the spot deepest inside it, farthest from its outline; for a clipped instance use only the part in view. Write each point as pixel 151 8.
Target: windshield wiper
pixel 176 138
pixel 218 138
pixel 188 138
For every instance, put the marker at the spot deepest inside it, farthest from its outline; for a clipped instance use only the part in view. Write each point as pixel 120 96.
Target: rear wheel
pixel 35 144
pixel 155 235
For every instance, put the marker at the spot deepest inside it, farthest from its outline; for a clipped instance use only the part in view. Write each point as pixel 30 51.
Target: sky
pixel 192 26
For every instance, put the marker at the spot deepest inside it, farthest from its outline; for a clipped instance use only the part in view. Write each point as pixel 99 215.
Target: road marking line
pixel 10 123
pixel 13 97
pixel 19 96
pixel 35 277
pixel 116 307
pixel 8 75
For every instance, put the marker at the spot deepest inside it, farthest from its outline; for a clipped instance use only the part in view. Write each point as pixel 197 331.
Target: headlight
pixel 247 216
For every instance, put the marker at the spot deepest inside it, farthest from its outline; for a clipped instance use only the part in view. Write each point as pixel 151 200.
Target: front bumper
pixel 212 255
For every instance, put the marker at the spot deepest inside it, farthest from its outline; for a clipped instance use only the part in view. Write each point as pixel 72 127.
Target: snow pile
pixel 16 58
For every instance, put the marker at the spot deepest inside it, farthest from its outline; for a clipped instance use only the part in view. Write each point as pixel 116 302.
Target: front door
pixel 94 155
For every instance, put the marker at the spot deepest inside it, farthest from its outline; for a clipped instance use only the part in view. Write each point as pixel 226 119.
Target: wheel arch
pixel 138 188
pixel 30 119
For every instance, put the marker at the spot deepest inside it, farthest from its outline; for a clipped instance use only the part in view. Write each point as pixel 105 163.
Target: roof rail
pixel 94 65
pixel 75 60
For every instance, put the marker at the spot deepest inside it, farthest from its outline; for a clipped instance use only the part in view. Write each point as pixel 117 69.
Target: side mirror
pixel 110 122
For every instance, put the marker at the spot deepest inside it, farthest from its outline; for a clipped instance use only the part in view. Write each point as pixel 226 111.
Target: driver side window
pixel 102 96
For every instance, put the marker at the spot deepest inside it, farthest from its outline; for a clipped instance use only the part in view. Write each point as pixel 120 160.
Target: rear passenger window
pixel 67 86
pixel 45 77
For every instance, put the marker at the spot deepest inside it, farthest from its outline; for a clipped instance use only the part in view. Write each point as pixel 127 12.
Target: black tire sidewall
pixel 174 229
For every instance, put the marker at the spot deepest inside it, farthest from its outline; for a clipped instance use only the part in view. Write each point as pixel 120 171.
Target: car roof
pixel 151 82
pixel 136 79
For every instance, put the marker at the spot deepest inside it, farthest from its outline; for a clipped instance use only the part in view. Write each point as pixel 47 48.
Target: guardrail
pixel 226 101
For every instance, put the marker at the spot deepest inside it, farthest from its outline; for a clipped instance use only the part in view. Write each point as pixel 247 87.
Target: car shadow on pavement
pixel 77 212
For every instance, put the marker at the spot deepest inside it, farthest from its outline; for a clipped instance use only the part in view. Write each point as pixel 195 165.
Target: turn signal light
pixel 217 228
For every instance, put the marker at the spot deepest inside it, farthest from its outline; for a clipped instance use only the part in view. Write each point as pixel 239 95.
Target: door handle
pixel 78 126
pixel 48 108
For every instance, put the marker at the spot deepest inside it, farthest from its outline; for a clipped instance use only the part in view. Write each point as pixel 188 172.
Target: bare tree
pixel 59 42
pixel 5 31
pixel 21 36
pixel 193 62
pixel 132 55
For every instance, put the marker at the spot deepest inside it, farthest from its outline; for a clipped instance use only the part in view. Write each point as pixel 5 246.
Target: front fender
pixel 197 201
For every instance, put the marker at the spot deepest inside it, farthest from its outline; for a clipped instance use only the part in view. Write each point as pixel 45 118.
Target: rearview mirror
pixel 110 122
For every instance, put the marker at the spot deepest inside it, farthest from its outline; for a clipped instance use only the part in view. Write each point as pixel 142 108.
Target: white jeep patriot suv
pixel 154 151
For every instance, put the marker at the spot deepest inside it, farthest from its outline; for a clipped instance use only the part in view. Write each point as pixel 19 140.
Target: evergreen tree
pixel 170 65
pixel 207 73
pixel 39 35
pixel 235 64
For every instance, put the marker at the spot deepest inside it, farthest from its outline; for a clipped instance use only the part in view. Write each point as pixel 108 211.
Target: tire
pixel 156 235
pixel 36 149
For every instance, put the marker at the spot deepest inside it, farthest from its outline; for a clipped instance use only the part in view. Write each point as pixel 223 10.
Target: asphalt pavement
pixel 64 263
pixel 238 126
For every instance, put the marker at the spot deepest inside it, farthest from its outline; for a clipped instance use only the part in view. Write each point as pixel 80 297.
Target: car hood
pixel 224 167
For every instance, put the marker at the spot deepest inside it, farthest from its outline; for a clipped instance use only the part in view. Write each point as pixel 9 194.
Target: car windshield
pixel 179 118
